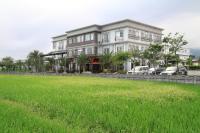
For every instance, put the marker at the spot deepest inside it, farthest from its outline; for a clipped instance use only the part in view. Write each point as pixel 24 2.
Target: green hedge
pixel 194 68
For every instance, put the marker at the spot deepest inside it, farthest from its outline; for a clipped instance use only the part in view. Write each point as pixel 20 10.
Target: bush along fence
pixel 174 79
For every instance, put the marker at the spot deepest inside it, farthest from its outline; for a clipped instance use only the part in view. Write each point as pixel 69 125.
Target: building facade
pixel 95 40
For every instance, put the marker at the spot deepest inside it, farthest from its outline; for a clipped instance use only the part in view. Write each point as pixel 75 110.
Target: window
pixel 119 49
pixel 157 38
pixel 106 50
pixel 89 50
pixel 82 38
pixel 76 52
pixel 144 36
pixel 78 39
pixel 54 45
pixel 137 47
pixel 70 53
pixel 105 37
pixel 119 35
pixel 74 40
pixel 92 36
pixel 142 48
pixel 60 46
pixel 79 51
pixel 95 50
pixel 70 40
pixel 150 37
pixel 87 37
pixel 133 34
pixel 83 50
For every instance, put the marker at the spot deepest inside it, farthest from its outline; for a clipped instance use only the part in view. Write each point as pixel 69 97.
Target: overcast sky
pixel 26 25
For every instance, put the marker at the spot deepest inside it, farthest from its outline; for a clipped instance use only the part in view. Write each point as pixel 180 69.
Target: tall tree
pixel 50 63
pixel 189 61
pixel 8 62
pixel 176 43
pixel 153 53
pixel 106 60
pixel 19 65
pixel 63 62
pixel 82 60
pixel 168 58
pixel 36 60
pixel 120 58
pixel 135 56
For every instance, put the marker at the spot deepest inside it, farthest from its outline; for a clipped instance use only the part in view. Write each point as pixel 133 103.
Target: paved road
pixel 194 73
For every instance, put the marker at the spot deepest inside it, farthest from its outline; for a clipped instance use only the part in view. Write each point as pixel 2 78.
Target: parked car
pixel 139 70
pixel 155 71
pixel 182 70
pixel 174 71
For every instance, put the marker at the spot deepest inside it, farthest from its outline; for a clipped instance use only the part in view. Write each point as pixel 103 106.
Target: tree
pixel 50 63
pixel 168 58
pixel 153 53
pixel 82 60
pixel 19 65
pixel 199 61
pixel 8 62
pixel 63 62
pixel 106 60
pixel 176 43
pixel 135 55
pixel 189 61
pixel 36 60
pixel 120 58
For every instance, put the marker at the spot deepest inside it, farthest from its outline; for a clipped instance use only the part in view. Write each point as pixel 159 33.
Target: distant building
pixel 94 40
pixel 184 53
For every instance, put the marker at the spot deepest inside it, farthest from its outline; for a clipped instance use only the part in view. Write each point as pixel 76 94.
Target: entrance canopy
pixel 55 53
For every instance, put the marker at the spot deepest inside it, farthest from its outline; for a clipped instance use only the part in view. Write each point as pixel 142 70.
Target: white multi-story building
pixel 184 53
pixel 94 40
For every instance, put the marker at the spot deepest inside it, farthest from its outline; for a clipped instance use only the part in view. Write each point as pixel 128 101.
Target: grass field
pixel 88 104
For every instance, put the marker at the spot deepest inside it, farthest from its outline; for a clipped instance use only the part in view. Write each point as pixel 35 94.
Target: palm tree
pixel 82 60
pixel 63 62
pixel 50 63
pixel 36 60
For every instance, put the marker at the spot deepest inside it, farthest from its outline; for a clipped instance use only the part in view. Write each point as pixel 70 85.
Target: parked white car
pixel 174 71
pixel 139 70
pixel 155 71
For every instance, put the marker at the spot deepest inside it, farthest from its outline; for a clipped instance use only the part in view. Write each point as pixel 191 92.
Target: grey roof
pixel 94 25
pixel 59 36
pixel 121 21
pixel 132 21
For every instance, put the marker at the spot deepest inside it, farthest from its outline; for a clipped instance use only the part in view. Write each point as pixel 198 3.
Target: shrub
pixel 106 71
pixel 121 72
pixel 194 67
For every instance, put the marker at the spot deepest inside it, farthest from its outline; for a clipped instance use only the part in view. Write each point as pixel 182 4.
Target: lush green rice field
pixel 88 104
